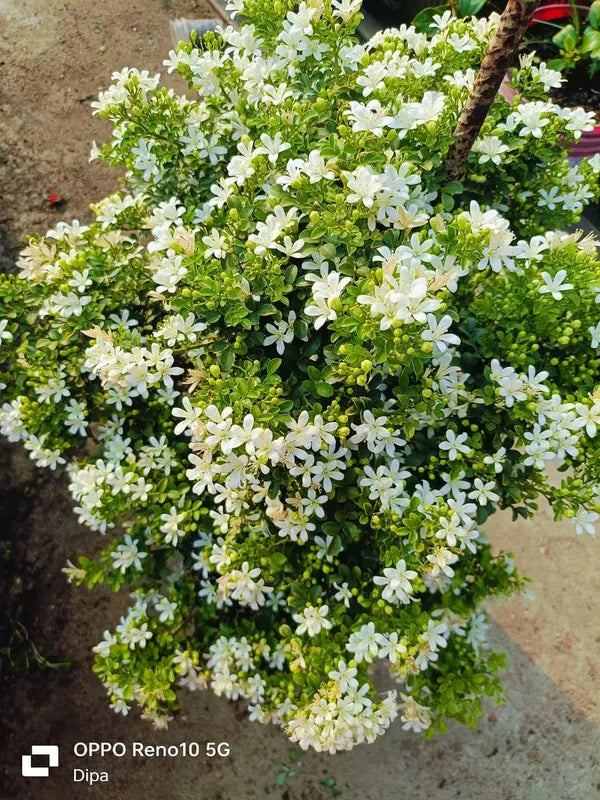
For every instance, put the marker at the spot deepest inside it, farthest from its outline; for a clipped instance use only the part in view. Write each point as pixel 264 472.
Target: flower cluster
pixel 292 368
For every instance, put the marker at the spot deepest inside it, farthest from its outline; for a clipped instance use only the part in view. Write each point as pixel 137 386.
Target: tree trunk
pixel 512 26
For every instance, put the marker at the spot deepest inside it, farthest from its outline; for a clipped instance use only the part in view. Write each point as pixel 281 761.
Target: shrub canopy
pixel 293 368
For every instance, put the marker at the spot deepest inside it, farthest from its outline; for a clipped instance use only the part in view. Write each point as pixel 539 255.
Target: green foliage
pixel 293 368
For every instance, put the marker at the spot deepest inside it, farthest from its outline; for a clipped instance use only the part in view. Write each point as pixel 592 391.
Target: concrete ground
pixel 542 745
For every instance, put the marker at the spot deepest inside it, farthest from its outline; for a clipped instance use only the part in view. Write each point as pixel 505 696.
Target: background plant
pixel 579 39
pixel 293 368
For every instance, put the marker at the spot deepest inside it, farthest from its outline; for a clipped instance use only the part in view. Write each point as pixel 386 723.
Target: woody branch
pixel 512 27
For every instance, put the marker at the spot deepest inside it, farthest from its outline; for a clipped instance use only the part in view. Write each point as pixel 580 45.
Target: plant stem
pixel 512 26
pixel 575 16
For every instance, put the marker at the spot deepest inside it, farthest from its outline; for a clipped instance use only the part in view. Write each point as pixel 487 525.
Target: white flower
pixel 396 582
pixel 344 9
pixel 245 586
pixel 189 415
pixel 43 456
pixel 414 716
pixel 594 332
pixel 441 21
pixel 578 120
pixel 291 248
pixel 588 418
pixel 169 272
pixel 491 148
pixel 4 334
pixel 477 632
pixel 281 334
pixel 127 555
pixel 326 291
pixel 483 492
pixel 484 219
pixel 69 305
pixel 103 647
pixel 216 244
pixel 54 390
pixel 312 620
pixel 550 78
pixel 137 637
pixel 435 635
pixel 272 146
pixel 529 117
pixel 324 544
pixel 321 311
pixel 455 444
pixel 146 161
pixel 554 285
pixel 440 561
pixel 584 521
pixel 345 676
pixel 166 609
pixel 369 117
pixel 550 199
pixel 377 437
pixel 364 643
pixel 511 385
pixel 170 526
pixel 437 333
pixel 80 280
pixel 496 460
pixel 343 594
pixel 123 319
pixel 372 78
pixel 363 185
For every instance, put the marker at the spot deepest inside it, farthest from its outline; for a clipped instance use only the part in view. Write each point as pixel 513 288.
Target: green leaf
pixel 453 187
pixel 313 346
pixel 591 41
pixel 324 389
pixel 301 329
pixel 226 360
pixel 557 63
pixel 594 15
pixel 447 202
pixel 566 38
pixel 291 274
pixel 330 528
pixel 277 560
pixel 423 22
pixel 468 8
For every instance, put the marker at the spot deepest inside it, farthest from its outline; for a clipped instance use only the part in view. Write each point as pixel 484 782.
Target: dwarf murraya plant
pixel 292 368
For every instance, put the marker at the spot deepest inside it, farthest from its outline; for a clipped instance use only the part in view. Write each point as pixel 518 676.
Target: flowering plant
pixel 293 368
